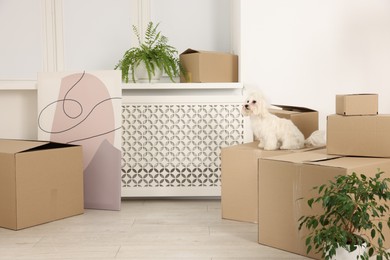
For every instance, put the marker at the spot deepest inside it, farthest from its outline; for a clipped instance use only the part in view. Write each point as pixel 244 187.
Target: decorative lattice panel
pixel 176 145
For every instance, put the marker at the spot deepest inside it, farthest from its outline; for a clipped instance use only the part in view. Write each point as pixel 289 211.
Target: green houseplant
pixel 154 52
pixel 354 214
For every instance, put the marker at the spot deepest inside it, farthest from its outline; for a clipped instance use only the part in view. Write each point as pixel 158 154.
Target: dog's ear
pixel 262 107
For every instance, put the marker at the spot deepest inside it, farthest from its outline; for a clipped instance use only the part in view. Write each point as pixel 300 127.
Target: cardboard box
pixel 359 135
pixel 357 104
pixel 284 179
pixel 239 170
pixel 305 119
pixel 39 182
pixel 209 66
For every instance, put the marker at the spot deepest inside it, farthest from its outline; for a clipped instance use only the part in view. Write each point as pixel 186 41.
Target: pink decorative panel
pixel 84 108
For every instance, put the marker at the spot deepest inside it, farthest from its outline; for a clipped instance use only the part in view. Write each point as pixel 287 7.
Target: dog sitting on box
pixel 273 132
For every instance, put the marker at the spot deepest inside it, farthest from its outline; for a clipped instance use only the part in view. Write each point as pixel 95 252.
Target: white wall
pixel 21 43
pixel 45 35
pixel 21 57
pixel 96 33
pixel 196 24
pixel 299 52
pixel 18 114
pixel 304 52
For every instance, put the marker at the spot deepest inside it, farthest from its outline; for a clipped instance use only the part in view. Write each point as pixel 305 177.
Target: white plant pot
pixel 343 254
pixel 141 74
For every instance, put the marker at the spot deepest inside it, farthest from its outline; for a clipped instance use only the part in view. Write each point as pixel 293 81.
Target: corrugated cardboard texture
pixel 283 180
pixel 357 104
pixel 239 173
pixel 239 181
pixel 7 191
pixel 45 183
pixel 304 118
pixel 359 135
pixel 208 66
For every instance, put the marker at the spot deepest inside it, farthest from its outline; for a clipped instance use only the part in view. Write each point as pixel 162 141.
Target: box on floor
pixel 39 182
pixel 284 179
pixel 239 171
pixel 359 135
pixel 357 104
pixel 209 66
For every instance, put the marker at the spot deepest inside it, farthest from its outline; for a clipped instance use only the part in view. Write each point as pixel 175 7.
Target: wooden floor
pixel 143 229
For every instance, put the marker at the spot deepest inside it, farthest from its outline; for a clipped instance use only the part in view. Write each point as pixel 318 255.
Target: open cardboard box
pixel 285 179
pixel 305 119
pixel 209 66
pixel 39 182
pixel 239 173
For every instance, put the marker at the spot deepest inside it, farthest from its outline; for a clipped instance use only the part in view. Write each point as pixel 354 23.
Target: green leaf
pixel 372 233
pixel 308 240
pixel 371 251
pixel 310 202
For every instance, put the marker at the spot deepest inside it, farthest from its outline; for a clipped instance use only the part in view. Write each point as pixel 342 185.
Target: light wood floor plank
pixel 143 229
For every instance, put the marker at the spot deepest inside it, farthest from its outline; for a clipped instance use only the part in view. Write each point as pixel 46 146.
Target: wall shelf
pixel 32 85
pixel 18 84
pixel 181 86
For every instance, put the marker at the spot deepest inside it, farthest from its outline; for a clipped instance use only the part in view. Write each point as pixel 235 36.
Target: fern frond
pixel 154 51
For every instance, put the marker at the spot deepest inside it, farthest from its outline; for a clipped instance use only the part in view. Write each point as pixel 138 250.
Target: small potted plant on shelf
pixel 354 215
pixel 151 58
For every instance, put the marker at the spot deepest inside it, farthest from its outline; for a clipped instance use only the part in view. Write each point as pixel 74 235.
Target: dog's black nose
pixel 246 106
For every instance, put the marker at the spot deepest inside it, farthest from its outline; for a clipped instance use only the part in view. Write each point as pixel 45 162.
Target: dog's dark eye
pixel 254 101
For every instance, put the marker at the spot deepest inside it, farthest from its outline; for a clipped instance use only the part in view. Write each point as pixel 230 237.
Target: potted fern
pixel 354 215
pixel 153 56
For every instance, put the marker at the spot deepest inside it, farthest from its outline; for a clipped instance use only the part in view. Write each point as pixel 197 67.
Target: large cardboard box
pixel 359 135
pixel 239 170
pixel 357 104
pixel 39 182
pixel 284 179
pixel 305 119
pixel 209 66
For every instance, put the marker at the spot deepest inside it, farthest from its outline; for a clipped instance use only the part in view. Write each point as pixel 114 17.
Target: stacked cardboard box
pixel 283 180
pixel 358 140
pixel 239 192
pixel 357 129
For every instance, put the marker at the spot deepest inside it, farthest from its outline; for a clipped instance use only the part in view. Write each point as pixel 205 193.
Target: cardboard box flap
pixel 294 108
pixel 16 146
pixel 349 162
pixel 358 94
pixel 190 51
pixel 322 159
pixel 48 146
pixel 308 156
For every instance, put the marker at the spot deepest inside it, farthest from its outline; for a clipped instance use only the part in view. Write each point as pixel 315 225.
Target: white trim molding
pixel 53 35
pixel 140 17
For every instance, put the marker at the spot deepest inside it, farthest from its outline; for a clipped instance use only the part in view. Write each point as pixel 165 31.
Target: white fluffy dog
pixel 272 132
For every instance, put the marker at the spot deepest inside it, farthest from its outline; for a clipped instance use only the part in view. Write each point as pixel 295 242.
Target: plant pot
pixel 343 254
pixel 141 74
